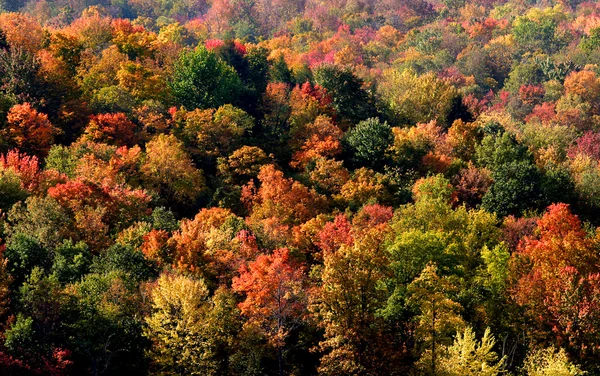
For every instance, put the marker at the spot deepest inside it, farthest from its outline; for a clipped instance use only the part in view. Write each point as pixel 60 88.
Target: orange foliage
pixel 113 129
pixel 29 129
pixel 22 31
pixel 275 295
pixel 321 139
pixel 189 243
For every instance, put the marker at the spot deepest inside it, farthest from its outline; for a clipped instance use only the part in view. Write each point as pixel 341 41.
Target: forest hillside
pixel 299 187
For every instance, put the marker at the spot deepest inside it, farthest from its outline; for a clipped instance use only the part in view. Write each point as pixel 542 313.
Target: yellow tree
pixel 438 316
pixel 346 303
pixel 169 170
pixel 185 328
pixel 469 357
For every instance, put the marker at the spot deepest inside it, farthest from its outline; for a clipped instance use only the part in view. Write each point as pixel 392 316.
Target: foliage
pixel 201 80
pixel 467 356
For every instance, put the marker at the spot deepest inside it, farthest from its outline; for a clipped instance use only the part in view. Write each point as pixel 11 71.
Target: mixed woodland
pixel 299 187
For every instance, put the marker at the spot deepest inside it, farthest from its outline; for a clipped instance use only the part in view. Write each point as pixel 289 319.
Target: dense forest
pixel 299 187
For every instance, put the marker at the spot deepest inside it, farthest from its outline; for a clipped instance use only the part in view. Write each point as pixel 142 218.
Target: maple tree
pixel 29 129
pixel 275 296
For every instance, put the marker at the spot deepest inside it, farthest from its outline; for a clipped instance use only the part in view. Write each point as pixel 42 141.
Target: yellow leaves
pixel 169 169
pixel 243 164
pixel 556 13
pixel 177 327
pixel 414 99
pixel 469 357
pixel 142 82
pixel 179 297
pixel 550 362
pixel 364 187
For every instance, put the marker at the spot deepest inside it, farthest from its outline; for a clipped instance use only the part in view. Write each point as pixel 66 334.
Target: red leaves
pixel 531 94
pixel 212 44
pixel 95 208
pixel 562 286
pixel 335 234
pixel 588 144
pixel 275 297
pixel 114 129
pixel 561 242
pixel 25 166
pixel 545 112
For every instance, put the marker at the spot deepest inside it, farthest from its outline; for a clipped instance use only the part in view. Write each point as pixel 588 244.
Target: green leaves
pixel 201 80
pixel 368 142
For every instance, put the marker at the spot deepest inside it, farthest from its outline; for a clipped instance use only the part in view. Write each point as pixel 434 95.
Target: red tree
pixel 275 296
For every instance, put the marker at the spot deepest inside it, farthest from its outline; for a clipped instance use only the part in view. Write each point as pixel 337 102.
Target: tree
pixel 23 254
pixel 559 287
pixel 169 170
pixel 320 138
pixel 29 129
pixel 275 297
pixel 201 80
pixel 11 190
pixel 369 142
pixel 114 129
pixel 438 316
pixel 469 357
pixel 547 362
pixel 416 99
pixel 176 327
pixel 346 306
pixel 516 188
pixel 279 204
pixel 349 99
pixel 211 133
pixel 189 243
pixel 104 329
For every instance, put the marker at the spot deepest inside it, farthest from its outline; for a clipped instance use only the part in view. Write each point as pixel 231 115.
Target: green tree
pixel 23 253
pixel 368 143
pixel 71 261
pixel 516 188
pixel 201 80
pixel 11 190
pixel 351 102
pixel 105 328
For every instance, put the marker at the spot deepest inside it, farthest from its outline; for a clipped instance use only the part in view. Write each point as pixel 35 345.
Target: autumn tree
pixel 346 306
pixel 169 170
pixel 279 204
pixel 275 297
pixel 29 130
pixel 176 326
pixel 114 129
pixel 438 316
pixel 467 356
pixel 563 269
pixel 549 361
pixel 416 99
